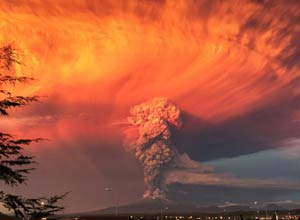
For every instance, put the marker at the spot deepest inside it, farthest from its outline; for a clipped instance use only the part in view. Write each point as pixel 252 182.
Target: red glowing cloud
pixel 216 60
pixel 231 67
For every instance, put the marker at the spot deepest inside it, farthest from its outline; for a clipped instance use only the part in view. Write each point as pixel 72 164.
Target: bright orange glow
pixel 231 66
pixel 119 53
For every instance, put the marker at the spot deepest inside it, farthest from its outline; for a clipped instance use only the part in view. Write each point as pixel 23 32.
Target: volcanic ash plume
pixel 154 122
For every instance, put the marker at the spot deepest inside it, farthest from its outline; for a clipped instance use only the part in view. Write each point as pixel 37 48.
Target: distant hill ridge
pixel 147 206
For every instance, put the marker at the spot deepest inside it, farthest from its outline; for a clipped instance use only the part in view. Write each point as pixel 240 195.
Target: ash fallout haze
pixel 193 101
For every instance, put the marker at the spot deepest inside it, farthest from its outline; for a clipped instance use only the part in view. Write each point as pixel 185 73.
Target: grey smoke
pixel 154 122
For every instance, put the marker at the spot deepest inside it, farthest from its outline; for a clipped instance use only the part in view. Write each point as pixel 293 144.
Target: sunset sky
pixel 231 67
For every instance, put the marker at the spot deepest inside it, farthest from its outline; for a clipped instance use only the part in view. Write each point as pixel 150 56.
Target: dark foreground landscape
pixel 253 215
pixel 157 210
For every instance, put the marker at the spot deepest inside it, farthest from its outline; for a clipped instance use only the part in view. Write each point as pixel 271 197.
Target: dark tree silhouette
pixel 15 166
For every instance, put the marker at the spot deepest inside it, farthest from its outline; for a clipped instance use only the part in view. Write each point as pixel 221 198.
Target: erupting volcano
pixel 150 139
pixel 153 147
pixel 211 89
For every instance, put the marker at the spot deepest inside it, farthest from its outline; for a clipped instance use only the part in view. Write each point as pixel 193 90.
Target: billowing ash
pixel 153 147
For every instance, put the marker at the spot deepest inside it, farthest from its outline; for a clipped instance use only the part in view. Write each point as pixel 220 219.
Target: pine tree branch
pixel 8 56
pixel 14 165
pixel 15 101
pixel 34 208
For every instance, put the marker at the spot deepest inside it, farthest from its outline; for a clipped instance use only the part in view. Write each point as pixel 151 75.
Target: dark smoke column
pixel 154 121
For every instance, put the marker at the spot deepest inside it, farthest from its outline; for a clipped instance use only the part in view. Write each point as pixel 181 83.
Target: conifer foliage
pixel 15 165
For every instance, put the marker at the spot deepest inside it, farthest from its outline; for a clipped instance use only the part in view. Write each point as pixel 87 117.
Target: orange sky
pixel 92 61
pixel 219 61
pixel 124 53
